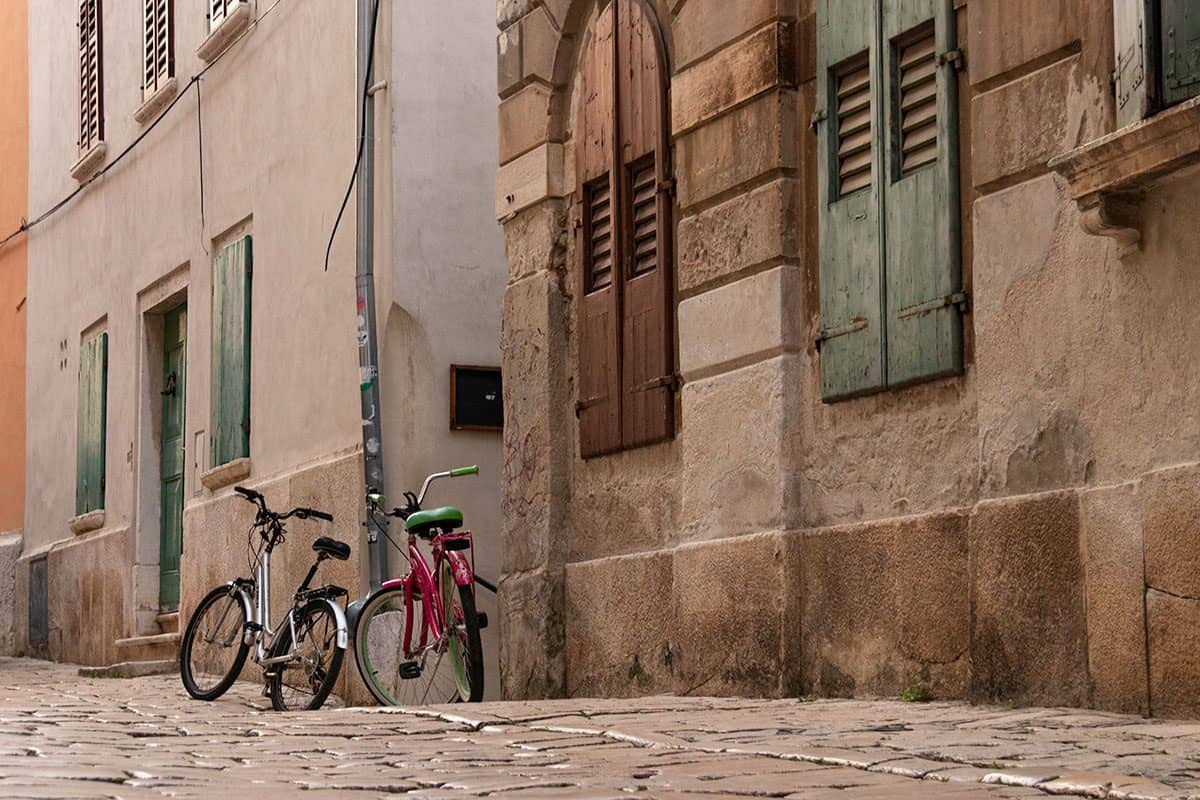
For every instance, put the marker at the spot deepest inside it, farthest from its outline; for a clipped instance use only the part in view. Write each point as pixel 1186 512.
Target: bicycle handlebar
pixel 299 512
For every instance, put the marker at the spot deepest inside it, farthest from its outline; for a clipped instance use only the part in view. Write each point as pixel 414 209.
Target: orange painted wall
pixel 14 184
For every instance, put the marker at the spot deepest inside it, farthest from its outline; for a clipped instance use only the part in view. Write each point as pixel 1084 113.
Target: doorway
pixel 171 448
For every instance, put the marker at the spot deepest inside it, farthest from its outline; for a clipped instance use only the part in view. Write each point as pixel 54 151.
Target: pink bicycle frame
pixel 421 578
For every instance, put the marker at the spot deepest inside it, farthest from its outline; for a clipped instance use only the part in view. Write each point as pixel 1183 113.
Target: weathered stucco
pixel 275 166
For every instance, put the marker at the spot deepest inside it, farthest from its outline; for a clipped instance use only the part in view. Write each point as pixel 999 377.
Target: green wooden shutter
pixel 232 274
pixel 923 276
pixel 1180 50
pixel 91 424
pixel 1133 40
pixel 849 165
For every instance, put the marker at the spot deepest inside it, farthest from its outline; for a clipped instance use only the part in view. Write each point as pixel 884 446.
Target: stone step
pixel 160 647
pixel 131 669
pixel 168 621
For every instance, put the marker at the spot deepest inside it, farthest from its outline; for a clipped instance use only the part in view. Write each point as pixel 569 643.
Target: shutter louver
pixel 159 46
pixel 918 102
pixel 598 232
pixel 644 245
pixel 217 13
pixel 855 153
pixel 1135 84
pixel 91 95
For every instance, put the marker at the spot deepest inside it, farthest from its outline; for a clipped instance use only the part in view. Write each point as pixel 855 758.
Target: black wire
pixel 362 132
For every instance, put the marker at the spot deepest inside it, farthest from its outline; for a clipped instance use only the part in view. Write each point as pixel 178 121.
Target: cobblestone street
pixel 64 736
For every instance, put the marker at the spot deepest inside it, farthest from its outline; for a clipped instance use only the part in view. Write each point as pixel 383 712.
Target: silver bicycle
pixel 302 656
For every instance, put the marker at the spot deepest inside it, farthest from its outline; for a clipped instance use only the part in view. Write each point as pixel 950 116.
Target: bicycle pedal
pixel 482 617
pixel 410 670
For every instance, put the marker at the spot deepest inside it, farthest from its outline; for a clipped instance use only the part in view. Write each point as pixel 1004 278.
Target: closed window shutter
pixel 231 353
pixel 599 314
pixel 921 208
pixel 1180 39
pixel 1133 37
pixel 159 51
pixel 218 10
pixel 91 71
pixel 851 336
pixel 647 341
pixel 91 425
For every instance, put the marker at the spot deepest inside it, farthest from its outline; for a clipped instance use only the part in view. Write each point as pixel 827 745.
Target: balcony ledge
pixel 226 474
pixel 226 31
pixel 156 101
pixel 1108 177
pixel 89 162
pixel 85 523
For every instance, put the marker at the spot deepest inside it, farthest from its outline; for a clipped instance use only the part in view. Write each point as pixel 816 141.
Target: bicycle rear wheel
pixel 305 681
pixel 399 660
pixel 465 647
pixel 213 650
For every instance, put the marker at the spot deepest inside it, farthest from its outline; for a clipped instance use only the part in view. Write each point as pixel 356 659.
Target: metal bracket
pixel 955 57
pixel 818 117
pixel 842 330
pixel 960 299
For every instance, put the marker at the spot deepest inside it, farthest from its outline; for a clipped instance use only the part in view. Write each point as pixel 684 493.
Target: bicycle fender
pixel 244 599
pixel 461 568
pixel 340 617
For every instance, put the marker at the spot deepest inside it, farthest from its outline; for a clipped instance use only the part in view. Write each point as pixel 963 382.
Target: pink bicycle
pixel 417 638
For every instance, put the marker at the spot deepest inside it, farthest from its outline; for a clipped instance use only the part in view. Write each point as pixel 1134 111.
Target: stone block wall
pixel 1021 533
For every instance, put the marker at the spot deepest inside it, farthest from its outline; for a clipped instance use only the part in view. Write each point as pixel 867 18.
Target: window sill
pixel 1107 177
pixel 89 162
pixel 226 474
pixel 157 101
pixel 221 36
pixel 84 523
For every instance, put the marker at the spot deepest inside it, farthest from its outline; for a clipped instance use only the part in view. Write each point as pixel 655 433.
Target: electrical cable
pixel 195 79
pixel 362 132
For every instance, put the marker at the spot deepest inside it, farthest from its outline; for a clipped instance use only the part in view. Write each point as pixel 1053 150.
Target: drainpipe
pixel 364 269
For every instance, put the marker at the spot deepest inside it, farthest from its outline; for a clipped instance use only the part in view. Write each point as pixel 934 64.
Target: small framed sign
pixel 476 398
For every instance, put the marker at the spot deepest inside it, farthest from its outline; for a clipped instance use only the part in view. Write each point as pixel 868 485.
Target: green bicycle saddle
pixel 423 522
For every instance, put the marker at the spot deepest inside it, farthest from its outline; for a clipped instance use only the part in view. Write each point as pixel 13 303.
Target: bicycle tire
pixel 362 643
pixel 186 671
pixel 468 667
pixel 321 683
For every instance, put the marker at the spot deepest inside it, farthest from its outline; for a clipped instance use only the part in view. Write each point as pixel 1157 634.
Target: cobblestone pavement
pixel 64 736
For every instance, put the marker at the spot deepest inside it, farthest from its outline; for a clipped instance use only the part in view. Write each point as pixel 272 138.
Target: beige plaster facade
pixel 274 121
pixel 981 534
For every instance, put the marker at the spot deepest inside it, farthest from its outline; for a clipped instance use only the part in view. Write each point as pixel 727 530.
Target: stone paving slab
pixel 66 736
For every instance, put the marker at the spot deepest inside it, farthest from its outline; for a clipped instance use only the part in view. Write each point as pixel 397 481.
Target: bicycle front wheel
pixel 304 681
pixel 213 650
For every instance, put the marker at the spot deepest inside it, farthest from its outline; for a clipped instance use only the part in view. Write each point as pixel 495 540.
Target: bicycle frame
pixel 422 577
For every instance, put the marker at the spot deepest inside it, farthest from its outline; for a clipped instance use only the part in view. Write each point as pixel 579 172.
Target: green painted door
pixel 171 537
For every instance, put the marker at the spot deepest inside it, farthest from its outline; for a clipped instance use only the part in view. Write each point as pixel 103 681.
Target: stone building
pixel 184 335
pixel 14 151
pixel 851 346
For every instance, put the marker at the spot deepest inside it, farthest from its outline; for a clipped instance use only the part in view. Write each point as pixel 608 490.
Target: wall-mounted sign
pixel 476 399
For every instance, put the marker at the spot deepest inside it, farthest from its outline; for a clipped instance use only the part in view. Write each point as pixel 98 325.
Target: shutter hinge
pixel 818 117
pixel 960 299
pixel 672 382
pixel 583 405
pixel 955 57
pixel 667 186
pixel 246 426
pixel 826 334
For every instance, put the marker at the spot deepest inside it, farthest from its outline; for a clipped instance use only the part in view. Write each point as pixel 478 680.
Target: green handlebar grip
pixel 461 471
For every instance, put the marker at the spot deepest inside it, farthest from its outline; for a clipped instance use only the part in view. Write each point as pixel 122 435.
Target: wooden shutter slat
pixel 231 352
pixel 1133 40
pixel 647 332
pixel 92 414
pixel 920 204
pixel 598 319
pixel 851 333
pixel 1180 42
